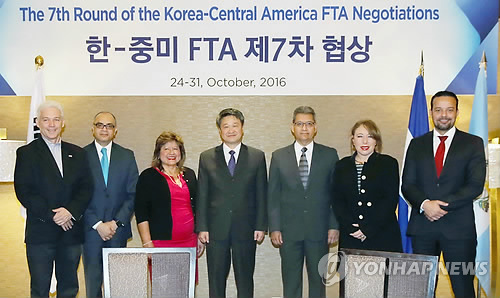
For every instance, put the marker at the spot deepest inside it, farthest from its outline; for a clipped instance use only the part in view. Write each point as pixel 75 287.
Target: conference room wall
pixel 267 123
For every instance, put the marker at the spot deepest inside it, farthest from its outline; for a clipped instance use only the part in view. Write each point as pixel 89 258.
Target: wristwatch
pixel 119 223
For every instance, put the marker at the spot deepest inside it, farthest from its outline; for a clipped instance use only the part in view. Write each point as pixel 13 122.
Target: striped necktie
pixel 303 168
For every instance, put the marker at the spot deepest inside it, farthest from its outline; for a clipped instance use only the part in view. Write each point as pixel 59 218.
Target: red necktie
pixel 438 159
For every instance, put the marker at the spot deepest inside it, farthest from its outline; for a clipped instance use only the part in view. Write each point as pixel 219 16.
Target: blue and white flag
pixel 479 127
pixel 417 126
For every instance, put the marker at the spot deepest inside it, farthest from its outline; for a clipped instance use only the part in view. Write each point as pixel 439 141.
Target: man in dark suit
pixel 231 211
pixel 52 181
pixel 301 220
pixel 444 172
pixel 107 219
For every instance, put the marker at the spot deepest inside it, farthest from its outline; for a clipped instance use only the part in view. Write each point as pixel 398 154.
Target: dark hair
pixel 372 130
pixel 443 94
pixel 165 137
pixel 229 112
pixel 304 110
pixel 105 112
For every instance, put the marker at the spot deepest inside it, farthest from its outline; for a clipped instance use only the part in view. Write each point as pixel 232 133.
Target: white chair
pixel 126 272
pixel 387 274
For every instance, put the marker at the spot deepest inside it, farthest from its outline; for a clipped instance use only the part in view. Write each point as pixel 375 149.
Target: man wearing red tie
pixel 444 172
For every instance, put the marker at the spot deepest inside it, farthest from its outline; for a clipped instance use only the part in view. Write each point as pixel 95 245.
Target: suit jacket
pixel 461 181
pixel 302 214
pixel 116 200
pixel 373 208
pixel 232 205
pixel 40 188
pixel 153 201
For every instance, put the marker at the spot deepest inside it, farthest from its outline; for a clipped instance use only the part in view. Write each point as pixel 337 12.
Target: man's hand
pixel 204 237
pixel 333 236
pixel 433 211
pixel 258 236
pixel 67 226
pixel 62 216
pixel 276 238
pixel 106 230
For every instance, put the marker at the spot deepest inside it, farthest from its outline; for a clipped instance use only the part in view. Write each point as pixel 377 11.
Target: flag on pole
pixel 479 127
pixel 36 99
pixel 417 126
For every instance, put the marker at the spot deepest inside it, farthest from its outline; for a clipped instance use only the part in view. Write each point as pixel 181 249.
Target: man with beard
pixel 444 172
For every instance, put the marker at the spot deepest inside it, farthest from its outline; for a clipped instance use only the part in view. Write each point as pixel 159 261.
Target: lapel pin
pixel 70 156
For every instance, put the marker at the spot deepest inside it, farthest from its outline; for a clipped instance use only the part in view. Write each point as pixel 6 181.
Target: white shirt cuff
pixel 422 205
pixel 97 223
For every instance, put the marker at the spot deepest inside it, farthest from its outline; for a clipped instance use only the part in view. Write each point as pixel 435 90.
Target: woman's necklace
pixel 359 162
pixel 176 179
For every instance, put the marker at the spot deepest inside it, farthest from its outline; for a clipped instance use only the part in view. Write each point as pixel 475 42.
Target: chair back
pixel 149 272
pixel 386 274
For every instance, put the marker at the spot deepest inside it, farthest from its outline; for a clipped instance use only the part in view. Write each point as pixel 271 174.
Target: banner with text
pixel 247 47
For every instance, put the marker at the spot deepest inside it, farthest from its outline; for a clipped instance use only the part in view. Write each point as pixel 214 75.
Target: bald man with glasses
pixel 107 219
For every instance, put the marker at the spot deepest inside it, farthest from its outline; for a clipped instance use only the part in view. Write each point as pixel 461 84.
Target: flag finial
pixel 421 69
pixel 39 61
pixel 483 61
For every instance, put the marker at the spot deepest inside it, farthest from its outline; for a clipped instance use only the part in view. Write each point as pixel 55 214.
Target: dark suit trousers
pixel 219 253
pixel 292 263
pixel 459 257
pixel 40 263
pixel 92 263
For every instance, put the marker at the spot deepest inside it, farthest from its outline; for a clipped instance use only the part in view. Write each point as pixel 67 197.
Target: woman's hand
pixel 358 234
pixel 200 249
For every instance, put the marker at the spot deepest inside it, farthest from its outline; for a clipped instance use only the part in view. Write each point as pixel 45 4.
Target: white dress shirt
pixel 436 141
pixel 309 153
pixel 98 147
pixel 227 155
pixel 55 150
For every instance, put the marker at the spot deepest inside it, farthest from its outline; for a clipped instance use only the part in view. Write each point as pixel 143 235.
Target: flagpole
pixel 421 69
pixel 418 124
pixel 37 98
pixel 479 126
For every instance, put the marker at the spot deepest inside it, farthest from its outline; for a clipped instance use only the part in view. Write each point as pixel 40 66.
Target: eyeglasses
pixel 102 125
pixel 308 124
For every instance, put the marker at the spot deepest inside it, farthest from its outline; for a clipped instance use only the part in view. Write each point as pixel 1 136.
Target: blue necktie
pixel 105 164
pixel 232 163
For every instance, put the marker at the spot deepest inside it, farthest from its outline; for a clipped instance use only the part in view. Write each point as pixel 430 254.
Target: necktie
pixel 105 164
pixel 232 163
pixel 439 158
pixel 303 168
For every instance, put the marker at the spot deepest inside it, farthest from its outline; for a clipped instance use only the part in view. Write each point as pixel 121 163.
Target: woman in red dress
pixel 166 196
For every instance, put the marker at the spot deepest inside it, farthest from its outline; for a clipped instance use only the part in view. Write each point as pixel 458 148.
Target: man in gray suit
pixel 107 219
pixel 301 220
pixel 231 211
